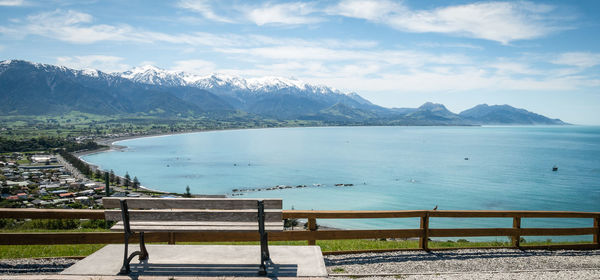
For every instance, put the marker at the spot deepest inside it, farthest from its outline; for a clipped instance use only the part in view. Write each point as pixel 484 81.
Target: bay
pixel 390 168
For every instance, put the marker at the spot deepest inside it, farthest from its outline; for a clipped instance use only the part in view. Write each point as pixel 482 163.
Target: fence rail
pixel 424 232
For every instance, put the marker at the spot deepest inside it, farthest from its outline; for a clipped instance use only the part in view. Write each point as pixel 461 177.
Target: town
pixel 33 180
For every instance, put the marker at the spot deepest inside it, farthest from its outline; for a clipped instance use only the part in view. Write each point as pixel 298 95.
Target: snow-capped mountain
pixel 272 96
pixel 225 84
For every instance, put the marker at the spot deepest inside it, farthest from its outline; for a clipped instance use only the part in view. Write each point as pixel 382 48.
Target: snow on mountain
pixel 222 83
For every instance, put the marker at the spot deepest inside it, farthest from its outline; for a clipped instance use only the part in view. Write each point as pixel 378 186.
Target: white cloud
pixel 323 53
pixel 497 21
pixel 578 59
pixel 509 68
pixel 13 3
pixel 204 8
pixel 105 63
pixel 284 13
pixel 70 26
pixel 366 9
pixel 196 66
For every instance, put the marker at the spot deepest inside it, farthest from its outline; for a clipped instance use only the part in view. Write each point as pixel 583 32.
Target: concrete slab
pixel 205 260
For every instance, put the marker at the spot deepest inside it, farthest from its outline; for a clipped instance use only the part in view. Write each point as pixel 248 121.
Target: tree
pixel 290 223
pixel 98 174
pixel 112 176
pixel 136 183
pixel 107 182
pixel 187 192
pixel 127 182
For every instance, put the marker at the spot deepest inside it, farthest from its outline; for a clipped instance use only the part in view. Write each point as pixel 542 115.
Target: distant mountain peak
pixel 430 106
pixel 506 114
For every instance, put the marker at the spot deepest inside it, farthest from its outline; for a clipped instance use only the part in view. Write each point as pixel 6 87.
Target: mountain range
pixel 40 89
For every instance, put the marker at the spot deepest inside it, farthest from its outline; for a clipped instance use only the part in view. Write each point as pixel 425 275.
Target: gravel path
pixel 459 264
pixel 469 264
pixel 34 266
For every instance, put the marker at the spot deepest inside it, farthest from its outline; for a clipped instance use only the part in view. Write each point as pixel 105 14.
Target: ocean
pixel 381 168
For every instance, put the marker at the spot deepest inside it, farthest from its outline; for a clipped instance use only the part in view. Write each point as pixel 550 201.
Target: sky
pixel 543 56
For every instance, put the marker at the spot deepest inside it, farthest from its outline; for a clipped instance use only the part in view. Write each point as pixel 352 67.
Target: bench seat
pixel 155 226
pixel 195 215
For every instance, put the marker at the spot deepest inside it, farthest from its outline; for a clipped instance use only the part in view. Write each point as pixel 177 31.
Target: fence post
pixel 171 238
pixel 424 239
pixel 516 239
pixel 312 226
pixel 597 232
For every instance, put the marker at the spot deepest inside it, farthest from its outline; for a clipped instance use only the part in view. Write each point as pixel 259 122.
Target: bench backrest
pixel 193 209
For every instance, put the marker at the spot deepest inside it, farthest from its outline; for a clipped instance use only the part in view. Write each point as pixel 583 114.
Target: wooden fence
pixel 423 233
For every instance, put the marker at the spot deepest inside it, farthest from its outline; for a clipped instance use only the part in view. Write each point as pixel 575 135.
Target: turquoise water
pixel 392 168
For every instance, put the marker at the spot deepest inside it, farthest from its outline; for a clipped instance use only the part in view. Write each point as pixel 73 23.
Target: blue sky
pixel 542 56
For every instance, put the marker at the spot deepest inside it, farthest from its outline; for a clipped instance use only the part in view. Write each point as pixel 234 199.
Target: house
pixel 58 192
pixel 13 197
pixel 37 201
pixel 22 195
pixel 43 159
pixel 83 200
pixel 90 185
pixel 20 184
pixel 69 194
pixel 61 200
pixel 86 192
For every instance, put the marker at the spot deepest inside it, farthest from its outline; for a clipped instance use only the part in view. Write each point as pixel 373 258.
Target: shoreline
pixel 111 146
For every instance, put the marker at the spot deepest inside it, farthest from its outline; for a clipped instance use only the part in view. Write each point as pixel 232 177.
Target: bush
pixel 93 224
pixel 290 223
pixel 7 223
pixel 54 224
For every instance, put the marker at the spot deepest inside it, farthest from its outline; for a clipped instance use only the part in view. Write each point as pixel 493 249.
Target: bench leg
pixel 125 269
pixel 264 254
pixel 264 240
pixel 143 251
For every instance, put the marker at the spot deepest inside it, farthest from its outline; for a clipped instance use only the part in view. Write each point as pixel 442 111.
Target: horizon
pixel 528 54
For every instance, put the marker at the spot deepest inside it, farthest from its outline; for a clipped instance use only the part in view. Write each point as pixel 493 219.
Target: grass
pixel 40 251
pixel 46 251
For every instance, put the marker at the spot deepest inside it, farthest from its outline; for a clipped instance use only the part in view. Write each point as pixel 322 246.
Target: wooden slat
pixel 117 237
pixel 197 226
pixel 510 214
pixel 192 203
pixel 197 223
pixel 344 234
pixel 464 232
pixel 195 215
pixel 289 214
pixel 31 213
pixel 299 214
pixel 73 238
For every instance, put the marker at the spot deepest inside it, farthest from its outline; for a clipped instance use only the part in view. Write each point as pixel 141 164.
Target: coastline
pixel 110 145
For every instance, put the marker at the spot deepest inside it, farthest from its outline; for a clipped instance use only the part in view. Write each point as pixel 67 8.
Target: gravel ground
pixel 34 266
pixel 470 264
pixel 459 264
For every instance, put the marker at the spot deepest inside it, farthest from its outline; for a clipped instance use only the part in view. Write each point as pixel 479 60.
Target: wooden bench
pixel 193 215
